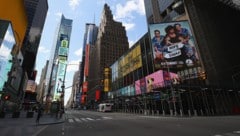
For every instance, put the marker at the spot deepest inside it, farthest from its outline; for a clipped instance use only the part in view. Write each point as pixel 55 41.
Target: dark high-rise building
pixel 36 14
pixel 164 10
pixel 211 31
pixel 212 25
pixel 90 37
pixel 111 43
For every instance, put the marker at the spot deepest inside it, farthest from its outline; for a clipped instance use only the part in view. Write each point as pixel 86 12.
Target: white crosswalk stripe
pixel 78 120
pixel 70 120
pixel 106 117
pixel 90 119
pixel 82 120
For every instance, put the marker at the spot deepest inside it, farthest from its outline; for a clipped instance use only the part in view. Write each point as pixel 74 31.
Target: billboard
pixel 63 49
pixel 130 62
pixel 154 81
pixel 31 86
pixel 86 64
pixel 85 87
pixel 173 45
pixel 61 71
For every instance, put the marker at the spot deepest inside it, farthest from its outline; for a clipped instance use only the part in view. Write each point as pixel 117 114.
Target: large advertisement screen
pixel 62 65
pixel 154 81
pixel 173 45
pixel 86 65
pixel 130 62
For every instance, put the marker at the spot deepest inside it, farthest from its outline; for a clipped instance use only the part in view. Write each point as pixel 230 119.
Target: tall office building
pixel 41 86
pixel 58 60
pixel 164 10
pixel 111 43
pixel 211 29
pixel 36 14
pixel 90 37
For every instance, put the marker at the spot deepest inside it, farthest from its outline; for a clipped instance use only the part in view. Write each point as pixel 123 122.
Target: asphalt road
pixel 89 123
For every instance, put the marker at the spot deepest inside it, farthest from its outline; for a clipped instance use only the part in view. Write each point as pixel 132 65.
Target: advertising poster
pixel 86 66
pixel 143 85
pixel 137 87
pixel 31 86
pixel 154 81
pixel 173 45
pixel 85 87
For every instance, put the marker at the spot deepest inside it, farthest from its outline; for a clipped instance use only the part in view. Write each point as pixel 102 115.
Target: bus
pixel 105 107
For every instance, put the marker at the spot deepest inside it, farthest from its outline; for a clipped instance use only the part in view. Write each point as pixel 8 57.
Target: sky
pixel 130 12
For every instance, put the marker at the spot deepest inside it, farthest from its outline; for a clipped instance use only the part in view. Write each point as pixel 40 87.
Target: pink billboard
pixel 154 81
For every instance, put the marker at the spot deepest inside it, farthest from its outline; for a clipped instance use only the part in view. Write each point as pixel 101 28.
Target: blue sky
pixel 130 12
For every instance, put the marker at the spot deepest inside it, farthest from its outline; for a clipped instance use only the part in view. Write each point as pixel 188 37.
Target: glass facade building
pixel 58 60
pixel 7 43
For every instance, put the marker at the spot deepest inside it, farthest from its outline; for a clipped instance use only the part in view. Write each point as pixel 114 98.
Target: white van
pixel 105 107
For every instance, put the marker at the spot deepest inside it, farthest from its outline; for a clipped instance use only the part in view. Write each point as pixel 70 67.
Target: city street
pixel 91 123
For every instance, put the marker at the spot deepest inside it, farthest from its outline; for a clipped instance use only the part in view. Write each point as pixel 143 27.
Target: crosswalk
pixel 86 119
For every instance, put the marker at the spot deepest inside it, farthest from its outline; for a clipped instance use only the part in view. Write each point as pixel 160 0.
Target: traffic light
pixel 6 97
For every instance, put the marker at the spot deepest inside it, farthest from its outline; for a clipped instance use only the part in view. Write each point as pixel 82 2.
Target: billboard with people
pixel 173 45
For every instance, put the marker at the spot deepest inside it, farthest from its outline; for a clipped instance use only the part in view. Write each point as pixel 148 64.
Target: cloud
pixel 9 37
pixel 131 43
pixel 58 14
pixel 126 11
pixel 43 49
pixel 4 51
pixel 129 26
pixel 73 66
pixel 73 3
pixel 78 52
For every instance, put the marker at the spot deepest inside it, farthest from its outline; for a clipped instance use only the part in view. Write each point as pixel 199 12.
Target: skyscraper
pixel 58 60
pixel 90 37
pixel 111 43
pixel 164 10
pixel 207 26
pixel 36 14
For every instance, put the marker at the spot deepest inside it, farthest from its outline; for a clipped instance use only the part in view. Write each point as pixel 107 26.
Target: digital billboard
pixel 86 64
pixel 130 62
pixel 62 65
pixel 154 81
pixel 173 45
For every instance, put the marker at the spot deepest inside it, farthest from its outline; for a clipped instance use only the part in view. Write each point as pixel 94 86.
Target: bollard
pixel 171 112
pixel 181 113
pixel 189 112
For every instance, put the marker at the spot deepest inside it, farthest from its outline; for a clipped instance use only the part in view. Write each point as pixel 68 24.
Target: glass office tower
pixel 58 60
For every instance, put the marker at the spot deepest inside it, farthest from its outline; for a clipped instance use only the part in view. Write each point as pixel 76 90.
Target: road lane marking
pixel 40 130
pixel 83 119
pixel 70 120
pixel 90 119
pixel 236 132
pixel 78 120
pixel 106 117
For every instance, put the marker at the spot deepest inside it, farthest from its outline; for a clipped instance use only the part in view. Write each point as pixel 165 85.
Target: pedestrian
pixel 39 111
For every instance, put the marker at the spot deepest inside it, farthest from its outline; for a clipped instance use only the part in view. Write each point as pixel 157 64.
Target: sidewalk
pixel 46 119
